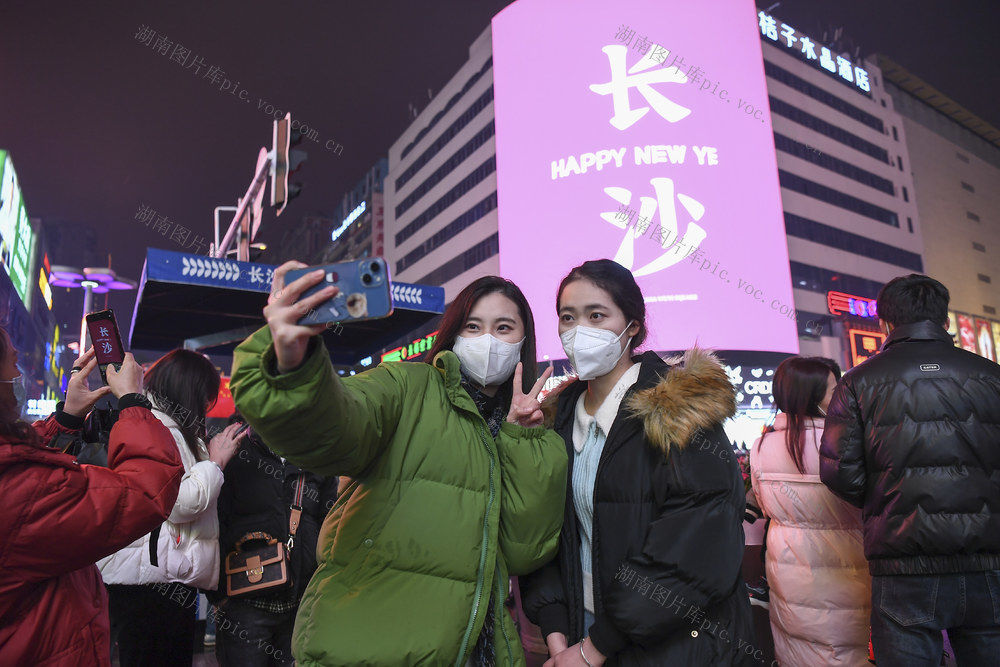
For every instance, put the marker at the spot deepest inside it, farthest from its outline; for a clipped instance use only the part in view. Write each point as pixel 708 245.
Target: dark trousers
pixel 246 636
pixel 153 624
pixel 910 611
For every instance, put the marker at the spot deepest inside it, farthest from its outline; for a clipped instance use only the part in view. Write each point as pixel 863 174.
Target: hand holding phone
pixel 107 341
pixel 283 311
pixel 126 377
pixel 363 291
pixel 79 398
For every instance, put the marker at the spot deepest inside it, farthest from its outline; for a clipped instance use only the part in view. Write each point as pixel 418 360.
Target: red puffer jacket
pixel 57 517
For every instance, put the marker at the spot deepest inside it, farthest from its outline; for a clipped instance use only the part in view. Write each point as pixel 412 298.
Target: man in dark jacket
pixel 913 438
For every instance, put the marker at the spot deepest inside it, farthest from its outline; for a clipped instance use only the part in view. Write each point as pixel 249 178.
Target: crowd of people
pixel 600 522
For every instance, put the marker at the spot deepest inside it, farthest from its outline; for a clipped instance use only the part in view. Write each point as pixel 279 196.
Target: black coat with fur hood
pixel 667 534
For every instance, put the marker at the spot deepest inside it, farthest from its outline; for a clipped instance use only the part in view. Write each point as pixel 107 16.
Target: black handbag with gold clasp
pixel 260 563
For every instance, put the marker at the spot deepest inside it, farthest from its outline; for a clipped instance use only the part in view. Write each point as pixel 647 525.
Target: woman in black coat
pixel 648 569
pixel 257 496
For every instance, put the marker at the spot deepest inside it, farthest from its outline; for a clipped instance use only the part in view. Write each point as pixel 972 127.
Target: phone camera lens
pixel 366 278
pixel 374 267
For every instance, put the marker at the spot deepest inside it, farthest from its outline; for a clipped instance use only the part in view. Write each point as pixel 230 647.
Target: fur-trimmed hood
pixel 673 397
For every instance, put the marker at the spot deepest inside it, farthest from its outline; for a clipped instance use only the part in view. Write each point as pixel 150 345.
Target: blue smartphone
pixel 364 291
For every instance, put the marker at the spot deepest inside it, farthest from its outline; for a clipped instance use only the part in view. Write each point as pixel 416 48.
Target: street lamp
pixel 99 280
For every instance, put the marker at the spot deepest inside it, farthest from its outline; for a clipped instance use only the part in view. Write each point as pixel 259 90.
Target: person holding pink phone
pixel 455 484
pixel 58 516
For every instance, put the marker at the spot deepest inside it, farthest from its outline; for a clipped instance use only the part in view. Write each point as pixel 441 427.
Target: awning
pixel 208 304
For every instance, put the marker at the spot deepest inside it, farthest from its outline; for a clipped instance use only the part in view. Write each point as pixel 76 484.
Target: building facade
pixel 846 188
pixel 955 160
pixel 359 226
pixel 441 190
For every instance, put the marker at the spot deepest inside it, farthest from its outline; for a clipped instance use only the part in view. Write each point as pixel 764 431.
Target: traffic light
pixel 285 162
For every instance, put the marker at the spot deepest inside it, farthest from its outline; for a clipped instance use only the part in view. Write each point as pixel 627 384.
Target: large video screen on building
pixel 640 132
pixel 17 239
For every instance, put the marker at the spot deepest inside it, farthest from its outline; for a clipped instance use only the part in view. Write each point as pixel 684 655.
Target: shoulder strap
pixel 154 538
pixel 296 510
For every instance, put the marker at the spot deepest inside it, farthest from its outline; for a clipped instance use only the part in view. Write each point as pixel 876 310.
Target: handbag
pixel 260 563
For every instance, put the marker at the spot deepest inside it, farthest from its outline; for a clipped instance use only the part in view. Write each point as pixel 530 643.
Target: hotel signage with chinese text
pixel 805 49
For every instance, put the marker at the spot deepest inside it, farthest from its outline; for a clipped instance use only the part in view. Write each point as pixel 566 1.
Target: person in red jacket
pixel 58 517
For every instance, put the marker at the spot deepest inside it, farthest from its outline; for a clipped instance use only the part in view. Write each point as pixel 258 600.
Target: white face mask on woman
pixel 593 352
pixel 486 359
pixel 20 391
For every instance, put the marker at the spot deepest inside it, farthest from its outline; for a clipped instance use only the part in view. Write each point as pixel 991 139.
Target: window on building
pixel 978 246
pixel 842 167
pixel 972 216
pixel 449 165
pixel 895 134
pixel 477 176
pixel 457 126
pixel 448 232
pixel 821 95
pixel 989 310
pixel 983 277
pixel 899 161
pixel 835 132
pixel 809 188
pixel 966 186
pixel 816 279
pixel 906 194
pixel 474 256
pixel 451 103
pixel 909 224
pixel 833 237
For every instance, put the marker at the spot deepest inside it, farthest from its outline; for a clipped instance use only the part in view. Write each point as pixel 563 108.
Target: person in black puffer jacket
pixel 257 496
pixel 648 568
pixel 913 438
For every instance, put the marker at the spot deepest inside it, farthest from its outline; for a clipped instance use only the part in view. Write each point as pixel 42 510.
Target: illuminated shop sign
pixel 358 210
pixel 43 281
pixel 975 334
pixel 40 407
pixel 864 344
pixel 848 304
pixel 43 285
pixel 17 239
pixel 806 49
pixel 415 349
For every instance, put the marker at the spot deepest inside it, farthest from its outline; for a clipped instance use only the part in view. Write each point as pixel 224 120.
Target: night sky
pixel 100 124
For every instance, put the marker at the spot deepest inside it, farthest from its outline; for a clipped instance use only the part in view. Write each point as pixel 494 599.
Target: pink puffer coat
pixel 816 567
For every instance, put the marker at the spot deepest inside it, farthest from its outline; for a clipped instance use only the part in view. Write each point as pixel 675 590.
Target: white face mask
pixel 593 352
pixel 487 360
pixel 20 391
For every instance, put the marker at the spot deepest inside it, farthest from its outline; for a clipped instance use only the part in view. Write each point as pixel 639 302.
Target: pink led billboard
pixel 640 132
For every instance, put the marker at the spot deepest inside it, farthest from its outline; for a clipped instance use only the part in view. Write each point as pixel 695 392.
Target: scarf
pixel 493 410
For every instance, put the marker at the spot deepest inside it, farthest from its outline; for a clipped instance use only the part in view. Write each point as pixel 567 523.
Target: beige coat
pixel 816 567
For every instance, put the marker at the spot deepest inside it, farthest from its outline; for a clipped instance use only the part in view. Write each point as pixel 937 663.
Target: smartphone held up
pixel 108 348
pixel 364 291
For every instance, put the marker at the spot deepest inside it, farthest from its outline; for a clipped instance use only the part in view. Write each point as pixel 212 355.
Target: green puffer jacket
pixel 437 517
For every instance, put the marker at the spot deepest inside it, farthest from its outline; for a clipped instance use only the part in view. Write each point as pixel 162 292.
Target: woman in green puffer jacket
pixel 456 486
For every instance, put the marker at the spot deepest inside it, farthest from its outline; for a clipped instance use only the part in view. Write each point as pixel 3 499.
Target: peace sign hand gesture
pixel 525 410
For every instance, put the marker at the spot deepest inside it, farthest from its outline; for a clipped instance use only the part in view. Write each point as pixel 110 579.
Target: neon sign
pixel 864 344
pixel 43 280
pixel 848 304
pixel 414 349
pixel 805 48
pixel 358 210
